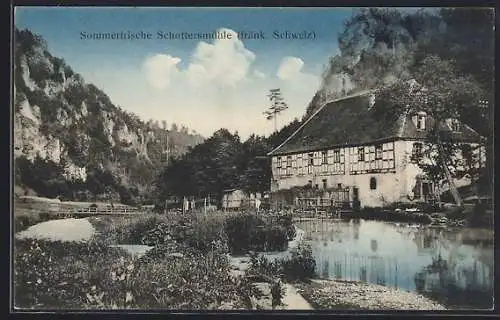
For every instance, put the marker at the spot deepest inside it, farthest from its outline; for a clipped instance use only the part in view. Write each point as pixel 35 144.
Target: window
pixel 355 193
pixel 325 184
pixel 279 162
pixel 324 157
pixel 378 152
pixel 421 121
pixel 373 183
pixel 311 159
pixel 289 161
pixel 339 186
pixel 336 156
pixel 361 154
pixel 417 190
pixel 454 125
pixel 417 149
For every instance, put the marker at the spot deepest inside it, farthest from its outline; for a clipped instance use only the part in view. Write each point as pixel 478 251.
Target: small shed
pixel 233 198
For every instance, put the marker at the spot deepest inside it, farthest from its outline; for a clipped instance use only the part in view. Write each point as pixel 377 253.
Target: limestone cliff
pixel 58 118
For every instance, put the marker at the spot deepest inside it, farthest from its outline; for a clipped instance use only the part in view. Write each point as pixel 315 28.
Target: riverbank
pixel 350 295
pixel 180 246
pixel 322 294
pixel 141 262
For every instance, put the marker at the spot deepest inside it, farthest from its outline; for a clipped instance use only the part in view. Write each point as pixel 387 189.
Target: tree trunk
pixel 449 179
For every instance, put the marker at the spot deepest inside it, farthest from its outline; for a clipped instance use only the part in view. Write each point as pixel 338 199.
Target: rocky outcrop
pixel 61 119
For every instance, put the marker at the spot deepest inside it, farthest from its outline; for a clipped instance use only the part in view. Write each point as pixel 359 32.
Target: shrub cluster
pixel 389 215
pixel 64 275
pixel 300 265
pixel 251 233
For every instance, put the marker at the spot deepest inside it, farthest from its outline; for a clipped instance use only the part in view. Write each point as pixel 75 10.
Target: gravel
pixel 349 295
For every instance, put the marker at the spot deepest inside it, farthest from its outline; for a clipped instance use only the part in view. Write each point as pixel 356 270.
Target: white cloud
pixel 160 69
pixel 258 74
pixel 290 68
pixel 219 87
pixel 225 62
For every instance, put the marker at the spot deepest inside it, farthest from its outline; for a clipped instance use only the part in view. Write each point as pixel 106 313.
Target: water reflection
pixel 453 267
pixel 374 245
pixel 326 269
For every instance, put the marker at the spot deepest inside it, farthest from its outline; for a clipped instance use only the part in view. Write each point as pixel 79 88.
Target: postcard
pixel 264 159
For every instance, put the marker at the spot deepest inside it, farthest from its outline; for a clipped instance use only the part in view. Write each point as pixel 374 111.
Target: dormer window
pixel 454 125
pixel 420 121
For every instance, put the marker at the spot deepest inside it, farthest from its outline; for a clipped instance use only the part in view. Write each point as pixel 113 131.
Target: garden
pixel 187 267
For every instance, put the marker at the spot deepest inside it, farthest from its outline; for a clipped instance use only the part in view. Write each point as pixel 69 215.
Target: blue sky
pixel 204 85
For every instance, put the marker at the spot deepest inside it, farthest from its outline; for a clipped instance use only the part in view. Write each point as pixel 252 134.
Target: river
pixel 454 267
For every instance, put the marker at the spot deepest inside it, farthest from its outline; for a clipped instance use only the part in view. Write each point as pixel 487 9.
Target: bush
pixel 456 213
pixel 94 276
pixel 129 230
pixel 249 232
pixel 301 265
pixel 287 222
pixel 205 232
pixel 241 230
pixel 393 216
pixel 44 216
pixel 59 274
pixel 22 222
pixel 481 216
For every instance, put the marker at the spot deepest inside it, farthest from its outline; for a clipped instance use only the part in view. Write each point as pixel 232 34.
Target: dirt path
pixel 293 300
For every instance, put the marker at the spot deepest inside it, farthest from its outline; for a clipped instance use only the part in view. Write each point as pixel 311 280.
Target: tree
pixel 256 166
pixel 277 137
pixel 379 47
pixel 278 105
pixel 208 168
pixel 467 38
pixel 440 92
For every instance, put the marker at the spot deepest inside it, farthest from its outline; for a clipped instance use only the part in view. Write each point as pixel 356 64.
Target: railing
pixel 103 210
pixel 83 211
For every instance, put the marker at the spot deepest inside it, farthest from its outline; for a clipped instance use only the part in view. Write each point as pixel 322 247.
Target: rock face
pixel 63 120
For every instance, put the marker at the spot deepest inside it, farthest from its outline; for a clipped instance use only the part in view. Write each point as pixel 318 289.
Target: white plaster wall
pixel 394 186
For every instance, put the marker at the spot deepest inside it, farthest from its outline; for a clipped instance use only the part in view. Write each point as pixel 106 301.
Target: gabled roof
pixel 351 121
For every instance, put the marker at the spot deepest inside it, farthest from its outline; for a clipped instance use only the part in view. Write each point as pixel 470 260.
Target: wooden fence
pixel 68 210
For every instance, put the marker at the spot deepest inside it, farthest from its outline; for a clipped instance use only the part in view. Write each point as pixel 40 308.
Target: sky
pixel 204 84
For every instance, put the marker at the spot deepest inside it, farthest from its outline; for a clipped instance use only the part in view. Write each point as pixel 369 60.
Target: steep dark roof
pixel 350 121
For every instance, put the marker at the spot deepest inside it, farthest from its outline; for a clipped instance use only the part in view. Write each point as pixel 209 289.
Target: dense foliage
pixel 449 52
pixel 299 266
pixel 187 268
pixel 223 162
pixel 62 275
